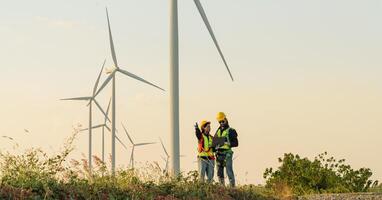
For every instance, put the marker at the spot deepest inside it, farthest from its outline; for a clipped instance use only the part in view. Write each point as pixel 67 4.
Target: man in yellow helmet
pixel 223 149
pixel 206 158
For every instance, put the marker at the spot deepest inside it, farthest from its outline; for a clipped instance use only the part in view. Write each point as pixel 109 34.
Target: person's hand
pixel 197 130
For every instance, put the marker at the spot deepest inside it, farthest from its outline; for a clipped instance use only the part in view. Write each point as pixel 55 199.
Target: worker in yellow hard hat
pixel 206 158
pixel 226 139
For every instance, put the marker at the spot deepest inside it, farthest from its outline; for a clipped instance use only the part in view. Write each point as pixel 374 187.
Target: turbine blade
pixel 100 108
pixel 98 126
pixel 84 129
pixel 116 137
pixel 143 144
pixel 78 99
pixel 208 25
pixel 138 78
pixel 120 141
pixel 107 114
pixel 99 76
pixel 108 108
pixel 127 134
pixel 93 127
pixel 111 41
pixel 104 84
pixel 163 147
pixel 107 127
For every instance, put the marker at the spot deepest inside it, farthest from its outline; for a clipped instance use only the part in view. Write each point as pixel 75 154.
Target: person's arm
pixel 234 142
pixel 198 133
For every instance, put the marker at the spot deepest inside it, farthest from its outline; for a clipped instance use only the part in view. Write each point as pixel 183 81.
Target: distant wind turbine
pixel 174 76
pixel 103 126
pixel 111 76
pixel 91 99
pixel 134 145
pixel 167 158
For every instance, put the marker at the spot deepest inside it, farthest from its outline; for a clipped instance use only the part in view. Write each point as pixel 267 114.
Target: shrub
pixel 322 175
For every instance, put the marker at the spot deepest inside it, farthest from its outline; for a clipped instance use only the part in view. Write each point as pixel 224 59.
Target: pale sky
pixel 307 76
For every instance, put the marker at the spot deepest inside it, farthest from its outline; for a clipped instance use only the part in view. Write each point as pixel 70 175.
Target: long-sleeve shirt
pixel 198 133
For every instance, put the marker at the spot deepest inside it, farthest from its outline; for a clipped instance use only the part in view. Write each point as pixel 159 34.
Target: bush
pixel 322 175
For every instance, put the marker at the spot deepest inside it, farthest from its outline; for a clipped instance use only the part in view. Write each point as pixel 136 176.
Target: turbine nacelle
pixel 111 70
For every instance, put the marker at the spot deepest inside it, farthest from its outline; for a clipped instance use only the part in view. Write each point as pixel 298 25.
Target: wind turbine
pixel 167 158
pixel 134 145
pixel 111 76
pixel 174 76
pixel 91 99
pixel 103 126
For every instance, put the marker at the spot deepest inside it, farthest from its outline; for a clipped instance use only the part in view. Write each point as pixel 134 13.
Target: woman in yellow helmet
pixel 206 158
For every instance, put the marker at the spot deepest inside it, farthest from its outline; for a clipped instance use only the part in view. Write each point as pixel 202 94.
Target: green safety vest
pixel 226 147
pixel 205 149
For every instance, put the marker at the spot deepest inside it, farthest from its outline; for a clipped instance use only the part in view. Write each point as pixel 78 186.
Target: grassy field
pixel 37 175
pixel 377 189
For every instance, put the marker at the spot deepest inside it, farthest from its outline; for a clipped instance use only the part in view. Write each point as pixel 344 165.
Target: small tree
pixel 322 175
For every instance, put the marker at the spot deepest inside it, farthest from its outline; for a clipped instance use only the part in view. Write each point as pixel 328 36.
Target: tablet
pixel 218 141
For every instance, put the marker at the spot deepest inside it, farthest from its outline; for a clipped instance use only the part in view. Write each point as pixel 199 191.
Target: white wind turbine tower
pixel 174 76
pixel 111 76
pixel 91 100
pixel 134 145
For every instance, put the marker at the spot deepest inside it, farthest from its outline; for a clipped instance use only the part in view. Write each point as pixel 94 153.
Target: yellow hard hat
pixel 220 116
pixel 204 123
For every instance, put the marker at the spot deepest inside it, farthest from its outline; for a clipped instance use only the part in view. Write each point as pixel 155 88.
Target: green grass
pixel 36 175
pixel 376 189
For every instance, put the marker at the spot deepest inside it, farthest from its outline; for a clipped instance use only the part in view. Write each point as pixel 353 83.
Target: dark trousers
pixel 224 160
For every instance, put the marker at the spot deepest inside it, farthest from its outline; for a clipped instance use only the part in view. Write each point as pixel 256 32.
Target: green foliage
pixel 322 175
pixel 36 175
